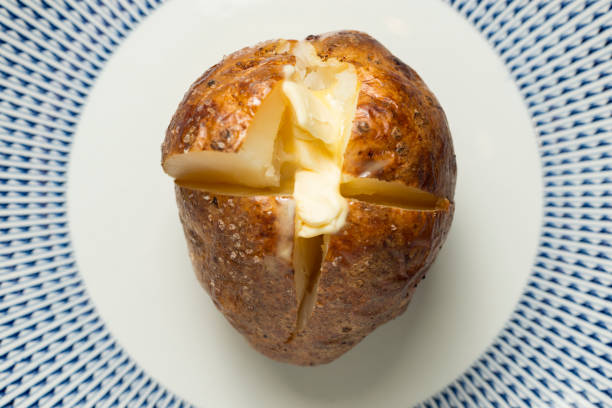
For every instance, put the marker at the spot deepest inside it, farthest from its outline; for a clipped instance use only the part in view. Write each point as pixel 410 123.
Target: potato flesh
pixel 307 258
pixel 392 194
pixel 236 190
pixel 252 166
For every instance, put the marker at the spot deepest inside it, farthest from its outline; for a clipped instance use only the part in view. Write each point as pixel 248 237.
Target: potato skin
pixel 237 248
pixel 400 132
pixel 368 276
pixel 220 105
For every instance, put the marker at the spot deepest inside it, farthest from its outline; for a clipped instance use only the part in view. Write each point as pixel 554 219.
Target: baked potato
pixel 315 183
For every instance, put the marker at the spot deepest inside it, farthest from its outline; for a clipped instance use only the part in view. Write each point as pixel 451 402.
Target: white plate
pixel 130 246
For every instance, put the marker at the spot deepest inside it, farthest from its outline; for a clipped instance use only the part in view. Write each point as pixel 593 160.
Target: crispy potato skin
pixel 400 132
pixel 368 276
pixel 220 105
pixel 238 245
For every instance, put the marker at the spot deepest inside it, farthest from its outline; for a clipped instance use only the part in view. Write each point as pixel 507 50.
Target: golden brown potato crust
pixel 400 131
pixel 241 247
pixel 236 245
pixel 367 277
pixel 220 105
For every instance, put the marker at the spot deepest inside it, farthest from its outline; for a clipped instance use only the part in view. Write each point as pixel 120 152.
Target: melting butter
pixel 322 97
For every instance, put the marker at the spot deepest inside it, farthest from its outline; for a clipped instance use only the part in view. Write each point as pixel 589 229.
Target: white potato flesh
pixel 252 166
pixel 308 254
pixel 394 194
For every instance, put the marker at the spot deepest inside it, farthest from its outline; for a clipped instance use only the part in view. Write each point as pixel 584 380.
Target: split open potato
pixel 315 183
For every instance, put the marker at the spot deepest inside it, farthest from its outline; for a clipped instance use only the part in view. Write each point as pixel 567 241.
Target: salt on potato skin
pixel 372 265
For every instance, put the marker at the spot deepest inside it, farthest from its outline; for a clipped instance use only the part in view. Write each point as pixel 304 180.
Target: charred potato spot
pixel 363 127
pixel 396 133
pixel 315 185
pixel 401 148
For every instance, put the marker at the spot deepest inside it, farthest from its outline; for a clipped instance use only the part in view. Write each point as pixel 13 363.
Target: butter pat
pixel 320 209
pixel 313 112
pixel 321 97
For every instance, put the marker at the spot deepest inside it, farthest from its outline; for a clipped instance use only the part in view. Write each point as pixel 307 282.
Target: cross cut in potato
pixel 326 160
